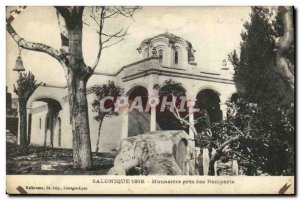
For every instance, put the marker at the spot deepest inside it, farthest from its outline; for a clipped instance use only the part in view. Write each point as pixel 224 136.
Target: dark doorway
pixel 138 120
pixel 208 102
pixel 165 118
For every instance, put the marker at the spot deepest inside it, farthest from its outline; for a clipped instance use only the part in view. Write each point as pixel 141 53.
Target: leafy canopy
pixel 106 90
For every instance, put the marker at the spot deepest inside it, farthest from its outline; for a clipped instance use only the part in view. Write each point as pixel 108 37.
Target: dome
pixel 170 41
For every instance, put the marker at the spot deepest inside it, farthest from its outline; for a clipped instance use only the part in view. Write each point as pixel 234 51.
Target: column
pixel 223 108
pixel 153 118
pixel 124 114
pixel 191 104
pixel 152 102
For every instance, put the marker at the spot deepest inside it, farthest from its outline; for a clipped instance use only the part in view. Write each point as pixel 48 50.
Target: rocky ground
pixel 45 161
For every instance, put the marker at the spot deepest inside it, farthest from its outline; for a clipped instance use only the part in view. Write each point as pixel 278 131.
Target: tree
pixel 104 104
pixel 256 64
pixel 26 85
pixel 215 136
pixel 265 108
pixel 77 73
pixel 268 145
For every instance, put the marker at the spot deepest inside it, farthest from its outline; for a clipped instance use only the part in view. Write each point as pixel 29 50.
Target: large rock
pixel 159 152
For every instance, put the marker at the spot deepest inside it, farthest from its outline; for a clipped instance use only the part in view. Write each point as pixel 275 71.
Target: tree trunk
pixel 82 157
pixel 77 73
pixel 23 123
pixel 77 76
pixel 99 132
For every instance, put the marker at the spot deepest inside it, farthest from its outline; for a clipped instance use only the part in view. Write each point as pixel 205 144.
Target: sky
pixel 213 31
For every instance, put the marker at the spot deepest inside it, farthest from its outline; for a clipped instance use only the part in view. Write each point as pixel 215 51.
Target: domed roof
pixel 168 35
pixel 172 40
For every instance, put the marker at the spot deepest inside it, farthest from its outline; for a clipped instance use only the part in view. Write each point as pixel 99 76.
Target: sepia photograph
pixel 153 100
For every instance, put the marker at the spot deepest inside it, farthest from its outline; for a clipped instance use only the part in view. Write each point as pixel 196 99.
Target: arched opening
pixel 164 117
pixel 45 113
pixel 138 116
pixel 208 102
pixel 161 55
pixel 176 57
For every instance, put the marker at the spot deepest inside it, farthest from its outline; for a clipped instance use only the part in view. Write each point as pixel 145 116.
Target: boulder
pixel 158 152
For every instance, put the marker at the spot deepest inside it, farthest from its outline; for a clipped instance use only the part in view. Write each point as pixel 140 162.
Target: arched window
pixel 160 55
pixel 176 57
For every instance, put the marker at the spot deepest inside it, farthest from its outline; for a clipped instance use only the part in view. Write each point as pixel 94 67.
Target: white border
pixel 5 3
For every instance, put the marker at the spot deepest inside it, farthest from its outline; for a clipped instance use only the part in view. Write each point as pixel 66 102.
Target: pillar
pixel 191 104
pixel 153 119
pixel 223 108
pixel 152 102
pixel 124 116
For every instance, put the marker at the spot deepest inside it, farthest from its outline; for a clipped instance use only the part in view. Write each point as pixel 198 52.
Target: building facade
pixel 163 57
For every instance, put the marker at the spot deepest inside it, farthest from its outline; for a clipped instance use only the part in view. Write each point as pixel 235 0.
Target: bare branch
pixel 102 13
pixel 95 20
pixel 113 43
pixel 101 25
pixel 126 11
pixel 32 45
pixel 219 151
pixel 188 115
pixel 177 115
pixel 118 34
pixel 111 15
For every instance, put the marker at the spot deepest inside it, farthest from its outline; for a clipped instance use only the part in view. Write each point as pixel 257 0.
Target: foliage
pixel 264 111
pixel 254 66
pixel 259 130
pixel 101 101
pixel 106 90
pixel 172 88
pixel 26 85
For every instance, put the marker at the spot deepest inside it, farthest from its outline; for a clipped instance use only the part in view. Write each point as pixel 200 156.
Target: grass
pixel 54 161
